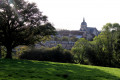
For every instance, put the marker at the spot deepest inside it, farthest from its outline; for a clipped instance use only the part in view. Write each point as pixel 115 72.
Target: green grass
pixel 40 70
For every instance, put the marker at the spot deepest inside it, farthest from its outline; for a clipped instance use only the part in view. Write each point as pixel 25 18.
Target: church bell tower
pixel 83 25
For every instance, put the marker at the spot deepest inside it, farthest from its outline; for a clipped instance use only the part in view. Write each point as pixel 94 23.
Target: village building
pixel 90 32
pixel 85 32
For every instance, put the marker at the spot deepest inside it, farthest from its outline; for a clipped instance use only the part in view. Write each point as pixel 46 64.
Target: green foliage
pixel 64 38
pixel 74 39
pixel 106 54
pixel 3 52
pixel 0 51
pixel 80 50
pixel 41 70
pixel 56 38
pixel 22 24
pixel 104 50
pixel 19 50
pixel 56 54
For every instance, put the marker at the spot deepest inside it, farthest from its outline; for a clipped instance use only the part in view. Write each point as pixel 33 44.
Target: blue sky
pixel 68 14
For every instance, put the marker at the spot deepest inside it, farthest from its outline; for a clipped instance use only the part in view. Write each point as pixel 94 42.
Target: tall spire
pixel 83 19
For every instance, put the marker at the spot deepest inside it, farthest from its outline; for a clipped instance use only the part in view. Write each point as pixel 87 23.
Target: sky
pixel 68 14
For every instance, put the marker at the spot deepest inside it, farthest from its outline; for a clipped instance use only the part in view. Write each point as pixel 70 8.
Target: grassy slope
pixel 35 70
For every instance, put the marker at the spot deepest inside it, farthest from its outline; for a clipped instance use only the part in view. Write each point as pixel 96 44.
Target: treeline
pixel 104 50
pixel 55 54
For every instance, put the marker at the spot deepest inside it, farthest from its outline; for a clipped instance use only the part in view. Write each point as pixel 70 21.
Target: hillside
pixel 40 70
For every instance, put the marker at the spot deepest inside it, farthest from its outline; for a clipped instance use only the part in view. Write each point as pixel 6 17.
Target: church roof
pixel 67 32
pixel 91 29
pixel 77 33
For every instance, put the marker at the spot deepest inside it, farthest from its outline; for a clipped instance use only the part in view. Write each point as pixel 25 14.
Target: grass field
pixel 40 70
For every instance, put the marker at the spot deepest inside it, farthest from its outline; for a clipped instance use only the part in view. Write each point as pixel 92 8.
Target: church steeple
pixel 83 25
pixel 83 19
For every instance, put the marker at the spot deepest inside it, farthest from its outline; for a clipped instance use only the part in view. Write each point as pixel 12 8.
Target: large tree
pixel 21 23
pixel 80 49
pixel 106 47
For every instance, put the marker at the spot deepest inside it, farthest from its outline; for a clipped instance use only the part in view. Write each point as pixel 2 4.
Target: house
pixel 85 32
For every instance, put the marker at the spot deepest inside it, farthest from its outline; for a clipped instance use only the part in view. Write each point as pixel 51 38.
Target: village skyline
pixel 64 14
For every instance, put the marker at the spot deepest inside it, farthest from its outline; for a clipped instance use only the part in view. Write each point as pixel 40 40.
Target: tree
pixel 55 38
pixel 64 38
pixel 97 55
pixel 111 33
pixel 74 39
pixel 0 52
pixel 104 50
pixel 80 49
pixel 106 47
pixel 21 23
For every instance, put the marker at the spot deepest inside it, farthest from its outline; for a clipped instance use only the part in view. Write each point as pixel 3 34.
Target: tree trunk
pixel 9 53
pixel 0 52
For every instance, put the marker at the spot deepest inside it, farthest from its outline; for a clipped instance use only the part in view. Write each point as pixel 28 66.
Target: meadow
pixel 43 70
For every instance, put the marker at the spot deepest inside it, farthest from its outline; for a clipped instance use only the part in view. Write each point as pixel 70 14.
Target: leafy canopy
pixel 21 23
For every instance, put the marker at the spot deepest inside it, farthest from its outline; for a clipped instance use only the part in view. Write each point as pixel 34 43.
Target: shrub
pixel 55 54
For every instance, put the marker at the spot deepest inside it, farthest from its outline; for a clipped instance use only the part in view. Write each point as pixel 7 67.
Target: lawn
pixel 40 70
